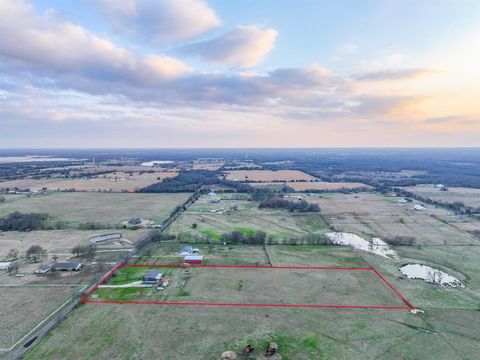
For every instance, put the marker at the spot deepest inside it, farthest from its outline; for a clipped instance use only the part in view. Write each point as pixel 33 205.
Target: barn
pixel 193 259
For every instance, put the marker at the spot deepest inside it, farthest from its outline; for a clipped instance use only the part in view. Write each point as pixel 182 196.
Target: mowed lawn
pixel 244 216
pixel 203 332
pixel 105 208
pixel 374 215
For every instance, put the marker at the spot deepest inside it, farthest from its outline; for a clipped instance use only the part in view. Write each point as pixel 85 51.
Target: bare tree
pixel 36 252
pixel 13 254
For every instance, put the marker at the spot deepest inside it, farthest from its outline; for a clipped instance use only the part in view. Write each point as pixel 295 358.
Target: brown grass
pixel 268 175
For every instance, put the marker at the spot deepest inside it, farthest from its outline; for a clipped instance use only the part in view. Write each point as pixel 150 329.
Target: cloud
pixel 51 46
pixel 393 74
pixel 158 21
pixel 376 105
pixel 244 46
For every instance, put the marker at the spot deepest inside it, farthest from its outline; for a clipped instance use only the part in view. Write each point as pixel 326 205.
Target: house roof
pixel 153 274
pixel 66 266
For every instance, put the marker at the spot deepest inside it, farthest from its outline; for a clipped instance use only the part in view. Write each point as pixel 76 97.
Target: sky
pixel 239 73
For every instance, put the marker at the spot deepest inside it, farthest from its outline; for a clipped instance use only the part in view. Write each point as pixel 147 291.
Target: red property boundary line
pixel 407 306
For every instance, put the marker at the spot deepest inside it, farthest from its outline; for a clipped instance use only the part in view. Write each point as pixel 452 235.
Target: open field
pixel 268 175
pixel 109 209
pixel 257 285
pixel 470 197
pixel 57 241
pixel 24 307
pixel 244 216
pixel 114 181
pixel 315 185
pixel 104 330
pixel 373 215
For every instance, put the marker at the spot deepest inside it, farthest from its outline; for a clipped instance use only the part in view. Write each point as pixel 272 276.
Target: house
pixel 418 207
pixel 66 266
pixel 193 259
pixel 43 268
pixel 188 250
pixel 5 265
pixel 152 276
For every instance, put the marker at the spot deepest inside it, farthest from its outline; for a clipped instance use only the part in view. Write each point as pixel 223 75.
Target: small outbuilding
pixel 66 266
pixel 5 265
pixel 152 276
pixel 193 259
pixel 188 250
pixel 43 268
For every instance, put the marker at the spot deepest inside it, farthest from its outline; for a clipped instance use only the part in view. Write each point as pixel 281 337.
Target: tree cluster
pixel 18 221
pixel 87 250
pixel 401 240
pixel 238 238
pixel 281 203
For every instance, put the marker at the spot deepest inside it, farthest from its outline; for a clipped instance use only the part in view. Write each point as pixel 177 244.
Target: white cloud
pixel 245 46
pixel 158 21
pixel 51 46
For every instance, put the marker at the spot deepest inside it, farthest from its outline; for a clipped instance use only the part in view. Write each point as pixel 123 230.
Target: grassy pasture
pixel 470 197
pixel 104 331
pixel 109 209
pixel 369 214
pixel 23 308
pixel 247 217
pixel 262 285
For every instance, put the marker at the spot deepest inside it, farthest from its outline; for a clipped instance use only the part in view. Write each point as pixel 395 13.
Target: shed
pixel 418 207
pixel 43 268
pixel 152 276
pixel 5 265
pixel 66 266
pixel 193 259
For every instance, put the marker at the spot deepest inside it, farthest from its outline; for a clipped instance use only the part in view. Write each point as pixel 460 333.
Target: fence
pixel 19 348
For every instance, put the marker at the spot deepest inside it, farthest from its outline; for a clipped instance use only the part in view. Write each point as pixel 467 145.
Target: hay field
pixel 373 215
pixel 247 217
pixel 268 175
pixel 114 181
pixel 109 209
pixel 470 197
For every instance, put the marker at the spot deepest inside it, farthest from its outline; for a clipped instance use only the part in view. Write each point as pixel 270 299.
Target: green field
pixel 109 209
pixel 246 217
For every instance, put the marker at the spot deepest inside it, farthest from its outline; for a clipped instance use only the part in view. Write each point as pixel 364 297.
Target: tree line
pixel 282 203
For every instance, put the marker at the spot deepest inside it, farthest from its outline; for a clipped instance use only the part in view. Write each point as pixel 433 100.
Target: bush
pixel 401 241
